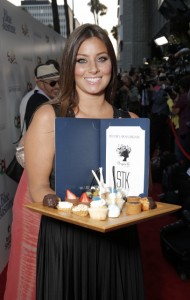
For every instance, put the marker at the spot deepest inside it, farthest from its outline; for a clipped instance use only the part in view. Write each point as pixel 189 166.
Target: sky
pixel 83 14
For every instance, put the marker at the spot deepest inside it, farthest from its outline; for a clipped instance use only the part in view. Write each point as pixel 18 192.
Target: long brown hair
pixel 68 96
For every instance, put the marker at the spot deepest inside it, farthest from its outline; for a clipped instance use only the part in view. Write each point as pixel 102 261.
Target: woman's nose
pixel 93 67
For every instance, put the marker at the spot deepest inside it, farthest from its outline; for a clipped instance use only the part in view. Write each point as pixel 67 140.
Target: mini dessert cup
pixel 64 206
pixel 133 199
pixel 133 208
pixel 98 213
pixel 80 210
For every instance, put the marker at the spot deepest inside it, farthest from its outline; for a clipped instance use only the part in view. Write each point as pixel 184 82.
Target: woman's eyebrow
pixel 100 53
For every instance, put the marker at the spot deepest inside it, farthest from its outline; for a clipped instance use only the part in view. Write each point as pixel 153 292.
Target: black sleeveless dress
pixel 76 263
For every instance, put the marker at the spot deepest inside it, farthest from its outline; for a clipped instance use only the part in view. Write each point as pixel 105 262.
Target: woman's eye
pixel 102 58
pixel 81 60
pixel 98 59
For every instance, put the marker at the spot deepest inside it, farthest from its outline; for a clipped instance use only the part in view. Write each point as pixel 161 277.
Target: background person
pixel 47 80
pixel 27 96
pixel 122 94
pixel 182 109
pixel 159 126
pixel 53 62
pixel 24 102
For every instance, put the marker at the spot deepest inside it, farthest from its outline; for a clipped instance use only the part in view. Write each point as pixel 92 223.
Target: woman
pixel 88 80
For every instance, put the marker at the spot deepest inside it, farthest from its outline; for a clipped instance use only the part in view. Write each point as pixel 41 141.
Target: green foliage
pixel 114 32
pixel 97 9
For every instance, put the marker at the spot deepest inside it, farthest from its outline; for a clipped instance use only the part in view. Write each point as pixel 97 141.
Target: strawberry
pixel 70 195
pixel 84 198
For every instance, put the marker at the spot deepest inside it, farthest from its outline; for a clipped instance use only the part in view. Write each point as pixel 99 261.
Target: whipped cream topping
pixel 64 204
pixel 98 203
pixel 80 207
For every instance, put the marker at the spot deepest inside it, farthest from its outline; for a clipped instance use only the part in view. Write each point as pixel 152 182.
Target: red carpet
pixel 160 278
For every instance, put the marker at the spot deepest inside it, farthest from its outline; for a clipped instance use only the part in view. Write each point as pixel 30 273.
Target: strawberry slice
pixel 84 198
pixel 70 195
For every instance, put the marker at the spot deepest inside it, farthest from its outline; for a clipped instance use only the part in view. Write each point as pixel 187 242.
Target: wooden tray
pixel 109 224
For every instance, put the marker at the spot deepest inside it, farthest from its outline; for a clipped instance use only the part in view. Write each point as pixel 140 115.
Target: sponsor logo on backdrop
pixel 17 121
pixel 25 30
pixel 11 57
pixel 29 86
pixel 6 202
pixel 7 22
pixel 39 60
pixel 2 166
pixel 47 39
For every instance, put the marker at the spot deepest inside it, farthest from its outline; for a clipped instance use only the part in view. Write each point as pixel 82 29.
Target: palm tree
pixel 55 14
pixel 97 9
pixel 114 32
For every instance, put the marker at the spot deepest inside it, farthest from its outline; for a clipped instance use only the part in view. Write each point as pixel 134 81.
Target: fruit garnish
pixel 70 195
pixel 84 198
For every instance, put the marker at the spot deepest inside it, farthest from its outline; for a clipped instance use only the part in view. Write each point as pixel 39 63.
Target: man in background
pixel 27 96
pixel 47 80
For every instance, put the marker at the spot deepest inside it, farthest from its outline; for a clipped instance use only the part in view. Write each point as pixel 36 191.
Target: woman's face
pixel 93 67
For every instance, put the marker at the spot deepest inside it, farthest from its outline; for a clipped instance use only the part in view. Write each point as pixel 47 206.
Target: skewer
pixel 101 178
pixel 113 173
pixel 97 179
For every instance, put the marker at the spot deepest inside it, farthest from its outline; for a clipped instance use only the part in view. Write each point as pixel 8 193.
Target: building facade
pixel 42 11
pixel 140 22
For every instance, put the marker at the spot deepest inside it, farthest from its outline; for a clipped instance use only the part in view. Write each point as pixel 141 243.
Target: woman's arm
pixel 39 148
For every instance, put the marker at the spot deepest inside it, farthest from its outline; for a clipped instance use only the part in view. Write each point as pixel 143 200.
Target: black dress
pixel 76 263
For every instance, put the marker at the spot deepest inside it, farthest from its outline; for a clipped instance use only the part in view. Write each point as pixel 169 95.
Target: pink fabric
pixel 21 275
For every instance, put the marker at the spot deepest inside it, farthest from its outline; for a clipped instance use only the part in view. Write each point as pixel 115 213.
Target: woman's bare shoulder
pixel 46 108
pixel 44 118
pixel 44 112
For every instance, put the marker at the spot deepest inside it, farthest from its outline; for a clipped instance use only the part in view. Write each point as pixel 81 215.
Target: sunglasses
pixel 51 83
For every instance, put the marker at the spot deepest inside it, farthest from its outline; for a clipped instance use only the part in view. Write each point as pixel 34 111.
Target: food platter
pixel 109 224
